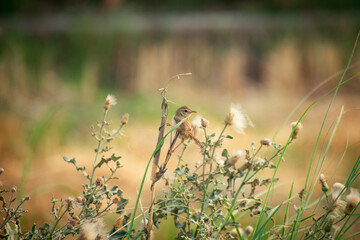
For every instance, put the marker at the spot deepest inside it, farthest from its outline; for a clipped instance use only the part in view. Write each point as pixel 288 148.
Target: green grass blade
pixel 259 233
pixel 287 208
pixel 145 173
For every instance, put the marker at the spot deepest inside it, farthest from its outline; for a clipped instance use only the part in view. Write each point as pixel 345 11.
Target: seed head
pixel 218 159
pixel 245 166
pixel 204 122
pixel 1 170
pixel 196 124
pixel 296 130
pixel 125 119
pixel 69 203
pixel 236 156
pixel 98 204
pixel 237 119
pixel 99 182
pixel 91 229
pixel 258 162
pixel 352 200
pixel 13 189
pixel 330 221
pixel 324 185
pixel 337 189
pixel 265 141
pixel 109 101
pixel 26 198
pixel 248 230
pixel 79 199
pixel 116 200
pixel 234 234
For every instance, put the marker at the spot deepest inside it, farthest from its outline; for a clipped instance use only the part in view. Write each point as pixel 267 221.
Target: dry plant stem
pixel 164 107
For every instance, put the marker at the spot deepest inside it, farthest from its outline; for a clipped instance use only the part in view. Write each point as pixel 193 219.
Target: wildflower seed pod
pixel 79 199
pixel 352 200
pixel 118 223
pixel 125 119
pixel 236 156
pixel 204 122
pixel 248 230
pixel 69 226
pixel 91 228
pixel 245 166
pixel 234 233
pixel 324 185
pixel 337 189
pixel 98 182
pixel 69 203
pixel 265 141
pixel 13 189
pixel 1 171
pixel 26 198
pixel 98 204
pixel 330 221
pixel 229 119
pixel 109 101
pixel 116 200
pixel 296 129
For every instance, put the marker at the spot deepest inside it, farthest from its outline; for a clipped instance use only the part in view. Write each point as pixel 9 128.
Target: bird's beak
pixel 192 111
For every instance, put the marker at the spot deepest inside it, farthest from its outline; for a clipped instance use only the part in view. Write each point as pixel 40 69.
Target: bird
pixel 185 131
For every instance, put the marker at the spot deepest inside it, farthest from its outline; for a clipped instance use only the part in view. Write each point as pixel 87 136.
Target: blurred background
pixel 59 60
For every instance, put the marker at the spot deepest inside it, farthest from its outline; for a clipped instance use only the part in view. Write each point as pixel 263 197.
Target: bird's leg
pixel 182 140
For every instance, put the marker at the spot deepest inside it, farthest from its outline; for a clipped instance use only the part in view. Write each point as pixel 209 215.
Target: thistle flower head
pixel 196 124
pixel 236 156
pixel 352 200
pixel 265 141
pixel 204 122
pixel 248 230
pixel 296 126
pixel 91 229
pixel 237 119
pixel 125 119
pixel 234 234
pixel 218 159
pixel 109 101
pixel 337 188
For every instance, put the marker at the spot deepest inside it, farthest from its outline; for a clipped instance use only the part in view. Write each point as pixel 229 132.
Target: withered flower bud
pixel 125 119
pixel 109 101
pixel 79 199
pixel 1 170
pixel 248 230
pixel 13 189
pixel 204 122
pixel 265 141
pixel 98 204
pixel 324 185
pixel 99 182
pixel 296 130
pixel 116 200
pixel 352 200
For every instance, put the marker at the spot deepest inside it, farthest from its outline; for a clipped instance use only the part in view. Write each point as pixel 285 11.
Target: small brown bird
pixel 184 131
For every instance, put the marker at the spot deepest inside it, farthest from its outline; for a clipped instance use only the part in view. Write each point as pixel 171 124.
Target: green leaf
pixel 103 160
